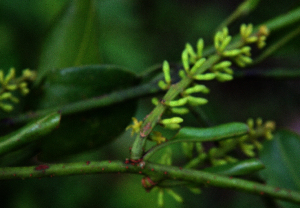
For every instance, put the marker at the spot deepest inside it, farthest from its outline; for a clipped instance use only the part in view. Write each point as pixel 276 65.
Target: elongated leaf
pixel 237 169
pixel 73 40
pixel 213 133
pixel 281 157
pixel 78 83
pixel 89 129
pixel 29 133
pixel 20 156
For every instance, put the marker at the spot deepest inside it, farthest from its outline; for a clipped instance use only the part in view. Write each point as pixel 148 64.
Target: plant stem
pixel 274 73
pixel 273 48
pixel 167 172
pixel 28 133
pixel 242 10
pixel 284 20
pixel 153 118
pixel 88 104
pixel 200 177
pixel 274 24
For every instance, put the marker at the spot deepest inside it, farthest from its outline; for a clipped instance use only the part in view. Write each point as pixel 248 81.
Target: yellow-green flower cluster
pixel 248 144
pixel 222 40
pixel 240 56
pixel 198 68
pixel 193 62
pixel 10 83
pixel 259 38
pixel 190 57
pixel 176 106
pixel 261 129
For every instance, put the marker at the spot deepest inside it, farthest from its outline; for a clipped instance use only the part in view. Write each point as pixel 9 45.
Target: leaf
pixel 73 40
pixel 281 158
pixel 29 133
pixel 213 133
pixel 244 167
pixel 89 129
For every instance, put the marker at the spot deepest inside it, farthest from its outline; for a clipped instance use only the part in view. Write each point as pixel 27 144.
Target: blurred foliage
pixel 136 35
pixel 287 162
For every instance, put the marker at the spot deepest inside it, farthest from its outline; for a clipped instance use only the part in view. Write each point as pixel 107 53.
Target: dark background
pixel 138 34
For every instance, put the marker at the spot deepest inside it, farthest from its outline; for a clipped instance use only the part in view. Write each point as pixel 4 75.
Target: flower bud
pixel 248 149
pixel 174 120
pixel 199 147
pixel 11 87
pixel 197 65
pixel 172 126
pixel 179 102
pixel 207 76
pixel 222 77
pixel 223 64
pixel 228 70
pixel 217 40
pixel 166 70
pixel 197 88
pixel 182 74
pixel 6 107
pixel 185 60
pixel 180 111
pixel 246 50
pixel 190 49
pixel 11 74
pixel 1 76
pixel 163 85
pixel 155 101
pixel 225 43
pixel 251 39
pixel 196 100
pixel 187 148
pixel 200 46
pixel 231 53
pixel 5 95
pixel 175 196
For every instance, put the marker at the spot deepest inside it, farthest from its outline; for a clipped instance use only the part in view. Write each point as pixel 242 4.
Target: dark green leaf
pixel 239 168
pixel 73 40
pixel 29 133
pixel 213 133
pixel 281 158
pixel 89 129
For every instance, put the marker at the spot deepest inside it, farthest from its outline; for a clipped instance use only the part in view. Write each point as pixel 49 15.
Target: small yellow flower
pixel 136 126
pixel 157 137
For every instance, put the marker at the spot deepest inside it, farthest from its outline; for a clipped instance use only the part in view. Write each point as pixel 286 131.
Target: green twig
pixel 243 9
pixel 274 73
pixel 29 133
pixel 149 169
pixel 153 118
pixel 283 20
pixel 200 177
pixel 274 24
pixel 88 104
